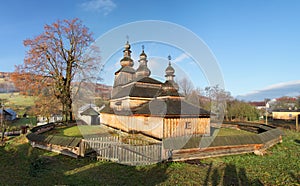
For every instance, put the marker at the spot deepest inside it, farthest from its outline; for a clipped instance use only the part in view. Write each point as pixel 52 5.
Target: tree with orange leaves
pixel 55 58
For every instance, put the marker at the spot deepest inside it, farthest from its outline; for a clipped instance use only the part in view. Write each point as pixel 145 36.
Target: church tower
pixel 126 60
pixel 170 71
pixel 126 73
pixel 143 71
pixel 170 84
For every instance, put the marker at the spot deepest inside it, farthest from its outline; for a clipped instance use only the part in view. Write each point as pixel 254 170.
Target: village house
pixel 42 120
pixel 140 103
pixel 260 105
pixel 8 114
pixel 89 114
pixel 285 114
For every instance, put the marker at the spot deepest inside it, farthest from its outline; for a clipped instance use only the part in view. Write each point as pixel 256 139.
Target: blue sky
pixel 256 43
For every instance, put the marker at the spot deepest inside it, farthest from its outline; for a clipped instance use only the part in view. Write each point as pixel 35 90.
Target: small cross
pixel 143 47
pixel 127 37
pixel 169 57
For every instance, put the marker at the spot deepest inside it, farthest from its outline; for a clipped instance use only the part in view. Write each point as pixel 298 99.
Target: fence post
pixel 81 148
pixel 297 121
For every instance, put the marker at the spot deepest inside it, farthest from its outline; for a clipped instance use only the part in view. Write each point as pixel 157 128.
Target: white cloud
pixel 180 58
pixel 290 88
pixel 104 6
pixel 282 85
pixel 274 86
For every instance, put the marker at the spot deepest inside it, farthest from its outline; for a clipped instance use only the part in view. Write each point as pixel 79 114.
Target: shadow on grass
pixel 24 165
pixel 230 175
pixel 295 177
pixel 297 141
pixel 234 176
pixel 108 173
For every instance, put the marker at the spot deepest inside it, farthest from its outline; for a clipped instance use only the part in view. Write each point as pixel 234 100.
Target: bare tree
pixel 55 57
pixel 185 86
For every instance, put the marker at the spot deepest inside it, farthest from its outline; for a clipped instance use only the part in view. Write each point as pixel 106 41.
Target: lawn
pixel 85 130
pixel 23 165
pixel 80 131
pixel 229 132
pixel 24 121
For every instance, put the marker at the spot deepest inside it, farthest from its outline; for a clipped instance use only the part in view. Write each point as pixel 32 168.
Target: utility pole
pixel 266 117
pixel 297 120
pixel 2 124
pixel 267 106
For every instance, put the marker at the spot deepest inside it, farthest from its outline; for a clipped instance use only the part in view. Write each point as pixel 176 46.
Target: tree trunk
pixel 70 113
pixel 3 133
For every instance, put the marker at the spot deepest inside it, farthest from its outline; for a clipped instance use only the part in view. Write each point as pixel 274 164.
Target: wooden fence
pixel 111 148
pixel 140 152
pixel 198 147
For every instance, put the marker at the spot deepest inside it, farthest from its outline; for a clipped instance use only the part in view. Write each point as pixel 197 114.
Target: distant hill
pixel 6 85
pixel 291 88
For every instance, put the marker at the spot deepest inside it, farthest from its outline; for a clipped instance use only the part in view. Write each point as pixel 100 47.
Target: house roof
pixel 6 112
pixel 90 112
pixel 258 103
pixel 286 110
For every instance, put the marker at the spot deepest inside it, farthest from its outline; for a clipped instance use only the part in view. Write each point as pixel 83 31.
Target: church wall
pixel 152 126
pixel 158 127
pixel 174 127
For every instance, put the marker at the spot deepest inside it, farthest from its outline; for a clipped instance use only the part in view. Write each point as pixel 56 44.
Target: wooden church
pixel 142 104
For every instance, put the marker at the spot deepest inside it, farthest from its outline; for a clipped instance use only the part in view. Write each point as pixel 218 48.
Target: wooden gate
pixel 111 148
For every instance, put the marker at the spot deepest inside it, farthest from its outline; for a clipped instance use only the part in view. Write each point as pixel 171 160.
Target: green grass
pixel 17 99
pixel 17 102
pixel 24 121
pixel 23 165
pixel 230 132
pixel 79 131
pixel 85 130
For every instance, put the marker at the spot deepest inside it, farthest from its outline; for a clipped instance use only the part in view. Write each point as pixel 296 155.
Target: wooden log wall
pixel 152 126
pixel 174 127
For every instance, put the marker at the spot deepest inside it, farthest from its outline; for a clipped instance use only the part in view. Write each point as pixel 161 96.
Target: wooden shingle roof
pixel 56 140
pixel 90 112
pixel 188 142
pixel 163 108
pixel 136 91
pixel 171 108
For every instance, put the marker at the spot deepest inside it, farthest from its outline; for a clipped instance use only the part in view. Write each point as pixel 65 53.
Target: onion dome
pixel 126 60
pixel 143 54
pixel 127 46
pixel 170 71
pixel 143 70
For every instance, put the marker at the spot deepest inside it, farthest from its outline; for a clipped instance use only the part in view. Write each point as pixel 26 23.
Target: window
pixel 188 125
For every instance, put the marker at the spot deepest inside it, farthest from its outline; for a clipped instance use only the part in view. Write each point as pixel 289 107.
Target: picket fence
pixel 133 152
